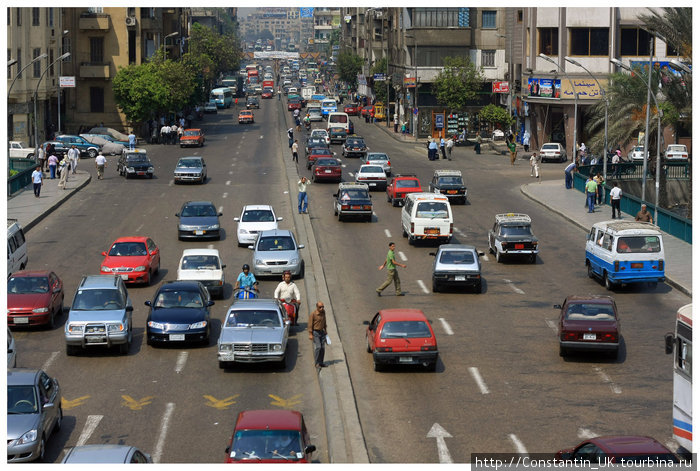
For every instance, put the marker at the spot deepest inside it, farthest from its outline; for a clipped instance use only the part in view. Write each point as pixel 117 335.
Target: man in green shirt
pixel 391 273
pixel 591 192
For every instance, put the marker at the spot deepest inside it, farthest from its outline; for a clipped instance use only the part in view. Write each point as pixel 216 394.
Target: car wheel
pixel 52 321
pixel 71 350
pixel 124 348
pixel 369 218
pixel 301 272
pixel 340 217
pixel 498 256
pixel 225 365
pixel 477 288
pixel 436 288
pixel 590 271
pixel 369 349
pixel 532 258
pixel 608 284
pixel 148 278
pixel 283 362
pixel 92 153
pixel 388 198
pixel 378 366
pixel 562 351
pixel 181 146
pixel 59 419
pixel 403 231
pixel 431 366
pixel 157 268
pixel 42 449
pixel 150 175
pixel 148 340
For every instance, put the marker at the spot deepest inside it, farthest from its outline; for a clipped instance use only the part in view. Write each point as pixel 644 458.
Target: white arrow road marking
pixel 552 325
pixel 388 234
pixel 606 379
pixel 585 434
pixel 520 448
pixel 446 326
pixel 164 423
pixel 459 231
pixel 479 380
pixel 422 286
pixel 50 361
pixel 181 360
pixel 90 426
pixel 513 287
pixel 439 434
pixel 402 256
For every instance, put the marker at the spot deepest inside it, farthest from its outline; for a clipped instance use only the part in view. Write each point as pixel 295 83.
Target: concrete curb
pixel 524 191
pixel 56 204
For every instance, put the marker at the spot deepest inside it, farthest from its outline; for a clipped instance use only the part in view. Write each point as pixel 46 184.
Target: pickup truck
pixel 18 150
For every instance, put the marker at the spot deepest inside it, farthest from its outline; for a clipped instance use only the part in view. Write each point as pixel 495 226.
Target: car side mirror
pixel 365 322
pixel 210 303
pixel 221 214
pixel 669 339
pixel 177 215
pixel 280 218
pixel 335 195
pixel 287 322
pixel 223 266
pixel 557 306
pixel 104 254
pixel 129 308
pixel 251 247
pixel 236 219
pixel 432 253
pixel 228 449
pixel 301 246
pixel 147 303
pixel 480 254
pixel 310 449
pixel 48 405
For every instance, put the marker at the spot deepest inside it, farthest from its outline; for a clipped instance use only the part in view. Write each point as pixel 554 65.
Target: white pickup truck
pixel 18 150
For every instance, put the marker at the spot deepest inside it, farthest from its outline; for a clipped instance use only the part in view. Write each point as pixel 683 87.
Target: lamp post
pixel 510 79
pixel 11 62
pixel 164 38
pixel 548 59
pixel 36 93
pixel 39 57
pixel 60 51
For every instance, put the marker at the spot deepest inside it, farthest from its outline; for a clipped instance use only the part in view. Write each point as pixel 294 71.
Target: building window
pixel 97 100
pixel 36 52
pixel 19 63
pixel 671 50
pixel 589 41
pixel 634 42
pixel 549 41
pixel 520 16
pixel 49 13
pixel 436 17
pixel 96 50
pixel 51 59
pixel 95 9
pixel 66 48
pixel 488 58
pixel 488 19
pixel 35 16
pixel 9 14
pixel 19 17
pixel 434 56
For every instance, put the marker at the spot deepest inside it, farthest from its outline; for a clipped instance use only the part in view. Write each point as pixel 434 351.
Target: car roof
pixel 629 444
pixel 27 273
pixel 193 129
pixel 99 453
pixel 257 206
pixel 199 203
pixel 590 298
pixel 352 185
pixel 456 247
pixel 99 282
pixel 269 420
pixel 634 227
pixel 448 173
pixel 402 314
pixel 427 196
pixel 179 284
pixel 21 376
pixel 254 304
pixel 275 232
pixel 190 157
pixel 371 165
pixel 200 252
pixel 131 239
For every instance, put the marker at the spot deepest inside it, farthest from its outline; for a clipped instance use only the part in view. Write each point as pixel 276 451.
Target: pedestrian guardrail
pixel 634 170
pixel 22 178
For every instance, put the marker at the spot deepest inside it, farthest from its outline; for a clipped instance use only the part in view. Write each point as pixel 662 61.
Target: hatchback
pixel 134 259
pixel 275 252
pixel 203 265
pixel 589 324
pixel 34 298
pixel 198 220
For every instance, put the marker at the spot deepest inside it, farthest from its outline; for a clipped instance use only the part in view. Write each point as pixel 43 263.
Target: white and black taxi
pixel 511 235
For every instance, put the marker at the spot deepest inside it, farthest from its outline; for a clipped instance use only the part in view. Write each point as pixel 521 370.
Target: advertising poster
pixel 544 87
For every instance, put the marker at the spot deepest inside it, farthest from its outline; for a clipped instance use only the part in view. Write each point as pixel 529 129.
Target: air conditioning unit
pixel 131 21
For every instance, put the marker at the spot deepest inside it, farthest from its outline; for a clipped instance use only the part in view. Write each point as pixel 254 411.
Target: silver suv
pixel 100 315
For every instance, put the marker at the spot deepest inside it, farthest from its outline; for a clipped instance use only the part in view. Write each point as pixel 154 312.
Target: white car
pixel 373 176
pixel 637 153
pixel 497 134
pixel 203 265
pixel 254 219
pixel 379 158
pixel 553 151
pixel 322 134
pixel 17 150
pixel 676 152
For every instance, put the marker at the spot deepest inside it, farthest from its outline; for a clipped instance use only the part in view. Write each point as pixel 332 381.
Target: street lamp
pixel 510 79
pixel 39 57
pixel 548 59
pixel 11 63
pixel 415 89
pixel 680 66
pixel 164 38
pixel 36 93
pixel 59 81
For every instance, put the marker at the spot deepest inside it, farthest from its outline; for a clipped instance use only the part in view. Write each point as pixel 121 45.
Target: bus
pixel 222 96
pixel 680 344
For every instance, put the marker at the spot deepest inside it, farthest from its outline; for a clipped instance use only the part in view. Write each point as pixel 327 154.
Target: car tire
pixel 436 288
pixel 478 288
pixel 562 351
pixel 157 268
pixel 340 217
pixel 591 273
pixel 51 324
pixel 378 366
pixel 301 272
pixel 42 450
pixel 431 366
pixel 283 362
pixel 71 350
pixel 403 231
pixel 150 175
pixel 148 278
pixel 369 349
pixel 609 285
pixel 225 365
pixel 59 420
pixel 369 218
pixel 498 256
pixel 532 258
pixel 92 153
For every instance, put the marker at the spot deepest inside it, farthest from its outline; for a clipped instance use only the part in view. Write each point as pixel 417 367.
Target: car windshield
pixel 319 134
pixel 128 249
pixel 178 298
pixel 450 180
pixel 676 148
pixel 256 445
pixel 200 262
pixel 21 400
pixel 515 230
pixel 27 284
pixel 590 312
pixel 432 209
pixel 271 244
pixel 135 158
pixel 257 215
pixel 191 133
pixel 377 157
pixel 327 163
pixel 198 210
pixel 314 111
pixel 405 329
pixel 457 257
pixel 550 147
pixel 371 169
pixel 320 151
pixel 251 318
pixel 355 143
pixel 98 300
pixel 638 244
pixel 189 163
pixel 407 183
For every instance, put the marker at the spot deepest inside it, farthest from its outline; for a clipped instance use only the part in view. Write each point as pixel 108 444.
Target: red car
pixel 400 186
pixel 325 169
pixel 588 323
pixel 317 153
pixel 34 298
pixel 601 451
pixel 192 137
pixel 294 104
pixel 367 110
pixel 135 259
pixel 401 337
pixel 352 109
pixel 267 93
pixel 270 436
pixel 246 116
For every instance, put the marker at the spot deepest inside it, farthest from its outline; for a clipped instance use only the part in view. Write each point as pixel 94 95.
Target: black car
pixel 314 142
pixel 337 134
pixel 450 184
pixel 59 148
pixel 355 147
pixel 352 200
pixel 198 220
pixel 135 164
pixel 252 102
pixel 179 313
pixel 512 235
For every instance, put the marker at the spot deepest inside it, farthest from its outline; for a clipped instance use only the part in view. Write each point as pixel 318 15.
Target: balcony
pixel 94 22
pixel 89 70
pixel 151 24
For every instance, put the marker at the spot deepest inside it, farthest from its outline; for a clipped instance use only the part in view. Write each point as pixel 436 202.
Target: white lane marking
pixel 181 360
pixel 221 209
pixel 402 256
pixel 344 165
pixel 519 447
pixel 285 192
pixel 262 137
pixel 171 183
pixel 230 172
pixel 139 228
pixel 164 423
pixel 446 326
pixel 388 234
pixel 458 231
pixel 50 361
pixel 210 246
pixel 351 174
pixel 479 380
pixel 513 287
pixel 606 379
pixel 228 182
pixel 162 194
pixel 90 426
pixel 224 195
pixel 585 434
pixel 439 434
pixel 552 325
pixel 422 286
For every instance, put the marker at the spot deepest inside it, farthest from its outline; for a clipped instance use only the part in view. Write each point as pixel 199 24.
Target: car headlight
pixel 106 269
pixel 140 268
pixel 130 169
pixel 242 231
pixel 259 262
pixel 156 325
pixel 75 328
pixel 115 327
pixel 294 261
pixel 225 347
pixel 41 309
pixel 28 437
pixel 277 347
pixel 150 169
pixel 198 325
pixel 213 227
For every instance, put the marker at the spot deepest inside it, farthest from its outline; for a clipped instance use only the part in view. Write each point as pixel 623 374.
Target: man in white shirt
pixel 288 293
pixel 616 164
pixel 615 194
pixel 303 198
pixel 100 163
pixel 73 156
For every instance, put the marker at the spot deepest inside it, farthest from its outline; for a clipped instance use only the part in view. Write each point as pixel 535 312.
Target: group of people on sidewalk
pixel 445 148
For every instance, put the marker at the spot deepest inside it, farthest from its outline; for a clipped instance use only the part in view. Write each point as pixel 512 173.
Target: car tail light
pixel 388 162
pixel 617 265
pixel 344 206
pixel 413 228
pixel 451 226
pixel 534 244
pixel 612 337
pixel 384 349
pixel 569 336
pixel 428 348
pixel 661 265
pixel 367 207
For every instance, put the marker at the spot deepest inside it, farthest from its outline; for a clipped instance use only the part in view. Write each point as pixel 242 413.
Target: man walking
pixel 303 198
pixel 616 163
pixel 591 193
pixel 526 141
pixel 290 135
pixel 449 144
pixel 615 194
pixel 73 156
pixel 37 178
pixel 100 163
pixel 442 147
pixel 41 158
pixel 568 175
pixel 295 151
pixel 165 134
pixel 173 134
pixel 396 122
pixel 534 165
pixel 513 150
pixel 432 150
pixel 391 273
pixel 317 333
pixel 477 144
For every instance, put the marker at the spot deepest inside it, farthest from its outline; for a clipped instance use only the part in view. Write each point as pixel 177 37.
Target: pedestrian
pixel 41 158
pixel 317 333
pixel 526 141
pixel 450 143
pixel 132 140
pixel 64 166
pixel 303 198
pixel 568 175
pixel 403 128
pixel 391 273
pixel 534 165
pixel 182 122
pixel 73 156
pixel 173 134
pixel 477 145
pixel 100 163
pixel 53 163
pixel 582 150
pixel 279 93
pixel 295 151
pixel 591 193
pixel 290 135
pixel 442 147
pixel 50 149
pixel 513 151
pixel 643 215
pixel 367 116
pixel 599 181
pixel 432 149
pixel 154 132
pixel 164 134
pixel 615 194
pixel 396 122
pixel 180 132
pixel 616 163
pixel 37 179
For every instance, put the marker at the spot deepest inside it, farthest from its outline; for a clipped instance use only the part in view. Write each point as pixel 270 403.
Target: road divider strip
pixel 513 287
pixel 446 326
pixel 164 425
pixel 50 361
pixel 181 360
pixel 606 379
pixel 403 256
pixel 387 233
pixel 519 447
pixel 422 286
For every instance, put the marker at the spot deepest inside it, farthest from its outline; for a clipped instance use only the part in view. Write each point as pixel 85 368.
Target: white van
pixel 338 119
pixel 16 247
pixel 427 216
pixel 620 252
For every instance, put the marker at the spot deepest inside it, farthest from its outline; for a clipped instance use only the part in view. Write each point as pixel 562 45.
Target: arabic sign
pixel 500 87
pixel 306 12
pixel 587 88
pixel 379 77
pixel 439 121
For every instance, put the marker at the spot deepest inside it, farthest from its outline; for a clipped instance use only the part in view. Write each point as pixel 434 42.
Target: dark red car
pixel 601 451
pixel 270 436
pixel 325 170
pixel 135 259
pixel 588 323
pixel 267 93
pixel 367 110
pixel 401 337
pixel 317 153
pixel 34 298
pixel 294 104
pixel 400 186
pixel 352 109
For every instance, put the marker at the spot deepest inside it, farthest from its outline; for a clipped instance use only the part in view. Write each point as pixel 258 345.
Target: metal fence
pixel 634 170
pixel 22 178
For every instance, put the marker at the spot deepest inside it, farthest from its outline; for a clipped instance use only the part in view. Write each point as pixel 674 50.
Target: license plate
pixel 125 277
pixel 327 171
pixel 199 232
pixel 431 231
pixel 355 207
pixel 637 265
pixel 95 339
pixel 451 192
pixel 372 184
pixel 405 359
pixel 140 173
pixel 21 320
pixel 588 336
pixel 176 337
pixel 460 277
pixel 519 246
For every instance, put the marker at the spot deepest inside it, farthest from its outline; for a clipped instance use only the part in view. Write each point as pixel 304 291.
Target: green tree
pixel 379 88
pixel 493 114
pixel 348 66
pixel 222 51
pixel 457 83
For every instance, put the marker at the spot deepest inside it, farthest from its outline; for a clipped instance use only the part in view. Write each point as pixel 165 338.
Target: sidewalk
pixel 29 210
pixel 569 204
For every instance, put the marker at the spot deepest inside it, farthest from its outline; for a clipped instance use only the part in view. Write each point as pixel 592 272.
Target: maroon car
pixel 325 169
pixel 588 323
pixel 352 109
pixel 34 298
pixel 619 449
pixel 317 153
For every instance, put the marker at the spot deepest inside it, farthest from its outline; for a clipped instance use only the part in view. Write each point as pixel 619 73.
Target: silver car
pixel 254 331
pixel 457 265
pixel 106 453
pixel 33 413
pixel 190 169
pixel 373 176
pixel 381 159
pixel 276 251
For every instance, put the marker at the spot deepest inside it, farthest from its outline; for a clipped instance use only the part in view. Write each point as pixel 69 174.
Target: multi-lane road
pixel 500 385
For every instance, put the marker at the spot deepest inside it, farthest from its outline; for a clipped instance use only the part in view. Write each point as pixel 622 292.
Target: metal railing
pixel 633 170
pixel 23 177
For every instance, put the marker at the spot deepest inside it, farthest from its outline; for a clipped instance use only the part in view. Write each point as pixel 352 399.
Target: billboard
pixel 544 87
pixel 306 12
pixel 500 87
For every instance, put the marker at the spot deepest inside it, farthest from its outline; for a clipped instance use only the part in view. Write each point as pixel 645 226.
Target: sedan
pixel 401 337
pixel 246 116
pixel 252 102
pixel 134 259
pixel 637 153
pixel 33 413
pixel 457 265
pixel 355 147
pixel 210 107
pixel 351 109
pixel 373 176
pixel 676 152
pixel 106 453
pixel 318 153
pixel 197 220
pixel 379 158
pixel 588 323
pixel 618 449
pixel 192 137
pixel 179 313
pixel 203 265
pixel 553 151
pixel 312 142
pixel 321 133
pixel 367 110
pixel 190 169
pixel 254 219
pixel 275 252
pixel 34 298
pixel 325 169
pixel 267 93
pixel 315 114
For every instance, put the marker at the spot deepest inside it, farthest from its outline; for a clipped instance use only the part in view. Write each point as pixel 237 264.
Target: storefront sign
pixel 587 88
pixel 500 87
pixel 67 82
pixel 409 82
pixel 379 77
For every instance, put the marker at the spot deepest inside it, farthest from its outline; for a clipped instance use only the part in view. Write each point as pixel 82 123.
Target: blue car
pixel 179 313
pixel 85 147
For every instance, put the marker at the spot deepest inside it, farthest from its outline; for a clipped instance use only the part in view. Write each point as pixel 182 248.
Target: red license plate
pixel 451 192
pixel 355 207
pixel 432 231
pixel 519 246
pixel 637 265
